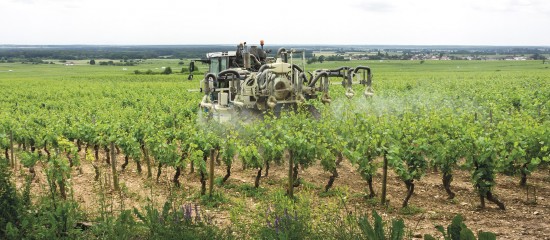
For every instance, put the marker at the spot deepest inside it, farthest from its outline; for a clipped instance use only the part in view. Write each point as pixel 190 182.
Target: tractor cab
pixel 219 61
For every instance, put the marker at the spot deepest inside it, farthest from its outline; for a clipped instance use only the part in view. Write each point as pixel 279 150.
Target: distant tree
pixel 109 63
pixel 312 60
pixel 92 62
pixel 167 71
pixel 537 56
pixel 181 63
pixel 321 59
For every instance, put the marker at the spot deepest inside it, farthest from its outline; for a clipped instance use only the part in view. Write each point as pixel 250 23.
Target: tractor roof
pixel 221 54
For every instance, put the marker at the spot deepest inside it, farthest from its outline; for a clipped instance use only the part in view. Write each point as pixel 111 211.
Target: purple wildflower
pixel 277 225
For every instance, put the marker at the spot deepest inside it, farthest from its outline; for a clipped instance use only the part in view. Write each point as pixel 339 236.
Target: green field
pixel 487 122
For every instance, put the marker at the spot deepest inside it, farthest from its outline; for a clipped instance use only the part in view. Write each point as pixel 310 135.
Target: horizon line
pixel 275 44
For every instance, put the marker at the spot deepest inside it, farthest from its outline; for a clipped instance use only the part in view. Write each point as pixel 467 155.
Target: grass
pixel 216 200
pixel 334 192
pixel 411 210
pixel 308 185
pixel 219 183
pixel 248 190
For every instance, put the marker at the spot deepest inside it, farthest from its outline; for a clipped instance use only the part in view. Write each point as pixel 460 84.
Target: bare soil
pixel 522 219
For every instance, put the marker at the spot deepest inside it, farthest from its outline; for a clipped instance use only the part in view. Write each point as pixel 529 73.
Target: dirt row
pixel 523 218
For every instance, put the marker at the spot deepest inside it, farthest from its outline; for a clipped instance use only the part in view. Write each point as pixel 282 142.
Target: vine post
pixel 147 161
pixel 113 167
pixel 290 174
pixel 11 150
pixel 384 179
pixel 211 173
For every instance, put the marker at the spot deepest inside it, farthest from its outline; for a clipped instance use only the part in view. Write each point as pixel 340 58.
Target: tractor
pixel 247 79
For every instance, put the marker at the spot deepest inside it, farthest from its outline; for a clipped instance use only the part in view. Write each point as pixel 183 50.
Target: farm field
pixel 93 143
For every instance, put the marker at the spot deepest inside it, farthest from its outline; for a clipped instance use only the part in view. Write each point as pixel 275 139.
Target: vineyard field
pixel 454 137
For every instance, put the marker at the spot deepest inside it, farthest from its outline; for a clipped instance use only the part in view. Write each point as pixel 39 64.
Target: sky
pixel 278 22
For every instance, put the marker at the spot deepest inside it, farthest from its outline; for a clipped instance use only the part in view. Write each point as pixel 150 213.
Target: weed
pixel 248 190
pixel 216 200
pixel 411 210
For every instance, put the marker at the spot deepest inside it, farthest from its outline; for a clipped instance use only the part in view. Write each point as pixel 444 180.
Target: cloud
pixel 42 1
pixel 23 1
pixel 47 5
pixel 512 6
pixel 375 6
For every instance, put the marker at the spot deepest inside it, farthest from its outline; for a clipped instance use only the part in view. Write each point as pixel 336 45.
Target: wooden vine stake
pixel 147 161
pixel 11 150
pixel 290 175
pixel 531 195
pixel 384 180
pixel 211 173
pixel 113 167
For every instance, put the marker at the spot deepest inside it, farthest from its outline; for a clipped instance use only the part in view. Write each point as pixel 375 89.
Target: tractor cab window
pixel 223 63
pixel 218 64
pixel 215 66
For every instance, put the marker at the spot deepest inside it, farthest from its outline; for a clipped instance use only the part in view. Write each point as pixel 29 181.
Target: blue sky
pixel 399 22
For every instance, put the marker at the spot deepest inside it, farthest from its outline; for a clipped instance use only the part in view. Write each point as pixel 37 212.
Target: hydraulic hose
pixel 229 71
pixel 297 68
pixel 349 78
pixel 269 80
pixel 207 82
pixel 256 61
pixel 304 77
pixel 280 54
pixel 335 72
pixel 281 50
pixel 321 74
pixel 369 75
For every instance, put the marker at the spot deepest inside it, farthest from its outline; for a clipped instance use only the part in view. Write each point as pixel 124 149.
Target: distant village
pixel 433 54
pixel 471 57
